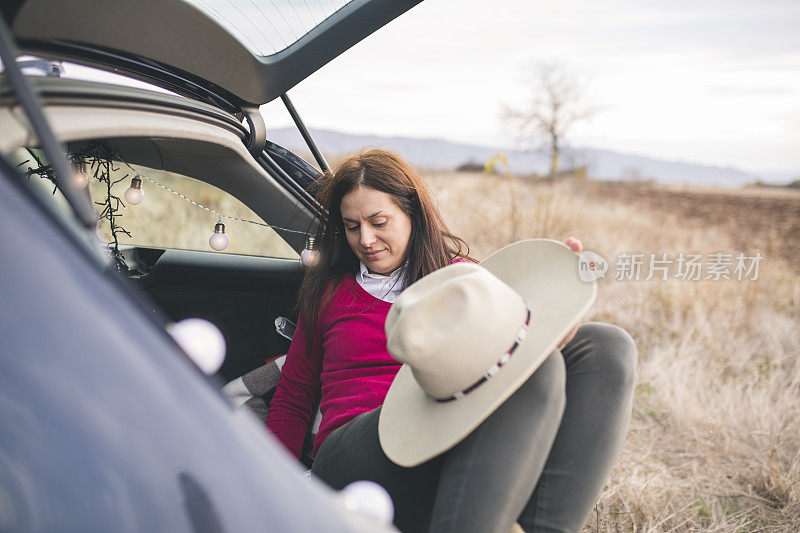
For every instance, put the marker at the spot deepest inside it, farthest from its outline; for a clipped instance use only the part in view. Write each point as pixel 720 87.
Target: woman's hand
pixel 577 246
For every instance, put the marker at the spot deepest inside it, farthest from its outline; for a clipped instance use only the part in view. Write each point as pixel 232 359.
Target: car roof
pixel 250 51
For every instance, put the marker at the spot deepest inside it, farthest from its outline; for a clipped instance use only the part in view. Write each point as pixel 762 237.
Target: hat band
pixel 523 330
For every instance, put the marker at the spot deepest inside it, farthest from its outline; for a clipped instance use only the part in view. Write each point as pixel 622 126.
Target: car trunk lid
pixel 247 51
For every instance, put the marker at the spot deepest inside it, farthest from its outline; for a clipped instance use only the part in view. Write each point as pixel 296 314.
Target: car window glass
pixel 173 215
pixel 27 161
pixel 267 27
pixel 174 212
pixel 54 201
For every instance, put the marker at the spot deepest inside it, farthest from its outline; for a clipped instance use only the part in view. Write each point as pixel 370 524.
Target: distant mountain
pixel 446 155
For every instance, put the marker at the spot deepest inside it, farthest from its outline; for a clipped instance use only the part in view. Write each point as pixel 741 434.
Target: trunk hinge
pixel 258 130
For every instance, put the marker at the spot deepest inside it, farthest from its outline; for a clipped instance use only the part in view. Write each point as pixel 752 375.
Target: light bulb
pixel 309 256
pixel 134 194
pixel 218 240
pixel 202 341
pixel 80 177
pixel 369 499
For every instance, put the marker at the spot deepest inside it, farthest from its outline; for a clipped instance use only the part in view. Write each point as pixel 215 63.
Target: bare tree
pixel 557 102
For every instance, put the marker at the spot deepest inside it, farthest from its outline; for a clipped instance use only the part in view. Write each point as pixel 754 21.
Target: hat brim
pixel 413 428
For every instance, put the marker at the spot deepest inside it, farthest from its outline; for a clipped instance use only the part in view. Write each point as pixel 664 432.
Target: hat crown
pixel 452 326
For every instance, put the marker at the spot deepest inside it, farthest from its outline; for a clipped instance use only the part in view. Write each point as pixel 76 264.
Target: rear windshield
pixel 266 27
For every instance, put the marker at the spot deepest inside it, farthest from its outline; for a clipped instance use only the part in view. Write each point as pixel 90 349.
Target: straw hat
pixel 470 335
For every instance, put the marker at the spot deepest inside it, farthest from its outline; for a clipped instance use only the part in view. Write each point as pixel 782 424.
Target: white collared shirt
pixel 386 288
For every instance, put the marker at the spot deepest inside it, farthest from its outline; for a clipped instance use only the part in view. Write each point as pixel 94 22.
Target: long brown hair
pixel 430 247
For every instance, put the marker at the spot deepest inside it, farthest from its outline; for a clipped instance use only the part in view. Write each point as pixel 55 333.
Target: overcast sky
pixel 714 82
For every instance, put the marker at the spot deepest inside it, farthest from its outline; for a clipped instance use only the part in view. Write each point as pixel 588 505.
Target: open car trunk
pixel 242 292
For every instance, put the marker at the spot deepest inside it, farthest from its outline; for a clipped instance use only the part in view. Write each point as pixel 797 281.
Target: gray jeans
pixel 540 459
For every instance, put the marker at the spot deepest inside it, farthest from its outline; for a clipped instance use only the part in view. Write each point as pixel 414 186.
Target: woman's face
pixel 377 229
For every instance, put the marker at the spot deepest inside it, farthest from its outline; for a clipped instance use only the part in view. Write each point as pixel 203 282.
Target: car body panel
pixel 63 91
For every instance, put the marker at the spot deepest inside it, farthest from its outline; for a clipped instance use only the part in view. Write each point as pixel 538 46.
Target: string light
pixel 134 194
pixel 81 179
pixel 202 341
pixel 369 499
pixel 218 240
pixel 101 155
pixel 310 255
pixel 220 215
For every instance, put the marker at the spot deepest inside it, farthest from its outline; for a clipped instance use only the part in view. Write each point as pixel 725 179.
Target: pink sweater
pixel 353 377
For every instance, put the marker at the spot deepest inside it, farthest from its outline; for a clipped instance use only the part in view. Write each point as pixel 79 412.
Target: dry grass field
pixel 714 442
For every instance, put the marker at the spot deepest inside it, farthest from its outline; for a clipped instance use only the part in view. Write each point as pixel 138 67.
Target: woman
pixel 533 461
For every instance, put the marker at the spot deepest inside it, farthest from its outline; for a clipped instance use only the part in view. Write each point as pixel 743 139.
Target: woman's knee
pixel 613 349
pixel 546 387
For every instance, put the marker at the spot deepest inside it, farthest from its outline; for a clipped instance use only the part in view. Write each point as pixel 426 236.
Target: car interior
pixel 242 293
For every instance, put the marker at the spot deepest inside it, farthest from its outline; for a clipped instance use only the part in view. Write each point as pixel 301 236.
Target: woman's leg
pixel 481 488
pixel 352 452
pixel 601 367
pixel 487 480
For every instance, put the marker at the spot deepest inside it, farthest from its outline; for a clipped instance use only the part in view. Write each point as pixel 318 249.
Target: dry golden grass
pixel 714 441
